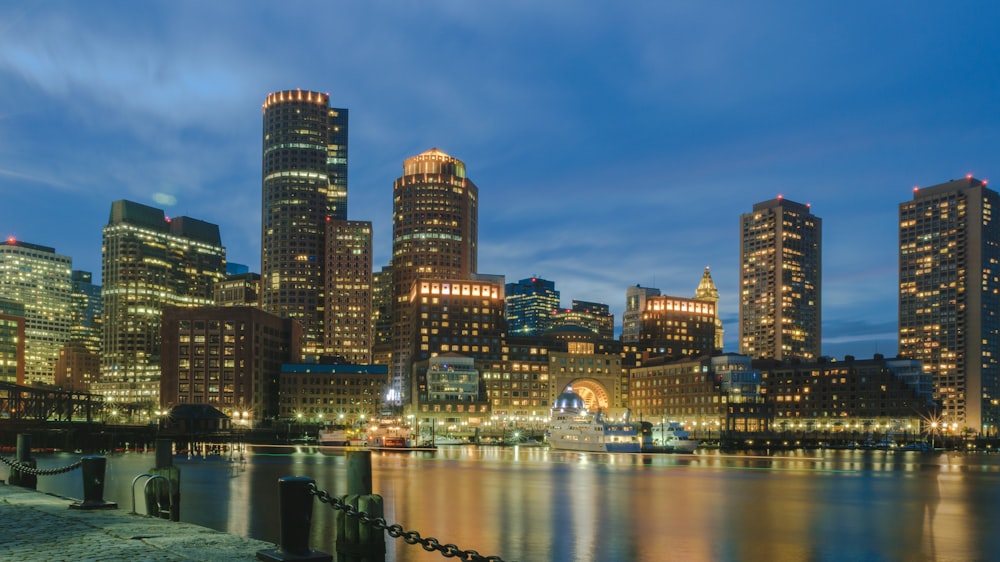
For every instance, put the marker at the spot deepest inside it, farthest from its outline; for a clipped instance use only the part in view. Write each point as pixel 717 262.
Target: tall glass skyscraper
pixel 304 185
pixel 780 281
pixel 435 230
pixel 949 297
pixel 530 305
pixel 39 278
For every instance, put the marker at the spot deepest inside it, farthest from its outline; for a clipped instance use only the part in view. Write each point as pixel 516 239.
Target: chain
pixel 430 544
pixel 16 465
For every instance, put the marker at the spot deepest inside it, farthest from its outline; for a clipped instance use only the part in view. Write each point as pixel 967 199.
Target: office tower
pixel 382 316
pixel 707 292
pixel 87 311
pixel 38 278
pixel 238 289
pixel 780 281
pixel 435 215
pixel 149 262
pixel 594 316
pixel 530 305
pixel 227 356
pixel 635 303
pixel 949 297
pixel 304 185
pixel 348 328
pixel 11 342
pixel 677 327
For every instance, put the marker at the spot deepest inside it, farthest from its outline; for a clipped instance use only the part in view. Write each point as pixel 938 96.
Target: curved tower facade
pixel 304 185
pixel 435 213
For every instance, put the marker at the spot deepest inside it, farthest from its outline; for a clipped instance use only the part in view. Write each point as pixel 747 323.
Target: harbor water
pixel 533 504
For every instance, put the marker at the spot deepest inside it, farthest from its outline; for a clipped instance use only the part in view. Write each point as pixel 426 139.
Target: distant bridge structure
pixel 18 402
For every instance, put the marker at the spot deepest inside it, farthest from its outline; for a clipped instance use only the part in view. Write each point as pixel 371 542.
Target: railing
pixel 360 524
pixel 24 472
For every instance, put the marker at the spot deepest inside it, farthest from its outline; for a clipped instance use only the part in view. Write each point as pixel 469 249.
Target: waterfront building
pixel 949 297
pixel 862 398
pixel 77 367
pixel 304 185
pixel 453 316
pixel 635 303
pixel 530 304
pixel 227 356
pixel 338 394
pixel 238 289
pixel 589 366
pixel 348 325
pixel 40 279
pixel 149 262
pixel 516 384
pixel 87 311
pixel 435 216
pixel 11 341
pixel 676 327
pixel 711 393
pixel 594 316
pixel 707 292
pixel 455 401
pixel 780 281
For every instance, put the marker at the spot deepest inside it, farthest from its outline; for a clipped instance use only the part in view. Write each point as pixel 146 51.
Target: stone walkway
pixel 39 526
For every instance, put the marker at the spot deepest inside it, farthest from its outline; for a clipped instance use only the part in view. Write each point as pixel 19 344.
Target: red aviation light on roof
pixel 916 188
pixel 968 176
pixel 167 219
pixel 11 240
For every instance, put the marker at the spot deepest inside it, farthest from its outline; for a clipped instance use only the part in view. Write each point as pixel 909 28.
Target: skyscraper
pixel 38 278
pixel 435 229
pixel 304 185
pixel 149 262
pixel 530 304
pixel 949 297
pixel 348 327
pixel 780 281
pixel 707 292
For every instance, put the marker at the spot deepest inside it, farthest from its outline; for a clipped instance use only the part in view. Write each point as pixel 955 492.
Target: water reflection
pixel 532 504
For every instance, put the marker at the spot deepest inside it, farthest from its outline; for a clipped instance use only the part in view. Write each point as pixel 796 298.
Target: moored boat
pixel 572 427
pixel 674 438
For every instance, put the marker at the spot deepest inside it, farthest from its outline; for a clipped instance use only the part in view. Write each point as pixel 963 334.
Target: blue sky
pixel 612 143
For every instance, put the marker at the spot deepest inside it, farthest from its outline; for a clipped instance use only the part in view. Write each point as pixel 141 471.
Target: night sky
pixel 613 144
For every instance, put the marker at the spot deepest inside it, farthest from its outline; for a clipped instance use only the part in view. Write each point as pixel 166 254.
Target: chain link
pixel 16 465
pixel 430 544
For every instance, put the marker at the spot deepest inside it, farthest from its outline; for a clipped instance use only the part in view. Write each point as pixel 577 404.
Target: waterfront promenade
pixel 39 526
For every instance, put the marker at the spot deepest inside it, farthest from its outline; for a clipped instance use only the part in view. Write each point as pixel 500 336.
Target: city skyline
pixel 610 149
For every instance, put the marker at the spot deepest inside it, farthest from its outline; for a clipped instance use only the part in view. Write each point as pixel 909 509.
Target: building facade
pixel 949 297
pixel 530 305
pixel 229 357
pixel 304 185
pixel 347 325
pixel 635 303
pixel 338 394
pixel 780 281
pixel 40 279
pixel 435 230
pixel 238 289
pixel 707 292
pixel 149 262
pixel 11 341
pixel 594 316
pixel 676 327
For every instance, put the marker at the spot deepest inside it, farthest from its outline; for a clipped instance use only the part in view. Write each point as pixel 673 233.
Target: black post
pixel 163 497
pixel 20 477
pixel 295 510
pixel 93 484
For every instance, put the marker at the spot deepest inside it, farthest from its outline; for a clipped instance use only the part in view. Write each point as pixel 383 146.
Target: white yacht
pixel 573 428
pixel 674 437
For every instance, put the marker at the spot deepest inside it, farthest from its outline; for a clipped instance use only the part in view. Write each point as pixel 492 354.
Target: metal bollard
pixel 20 477
pixel 295 508
pixel 357 542
pixel 93 484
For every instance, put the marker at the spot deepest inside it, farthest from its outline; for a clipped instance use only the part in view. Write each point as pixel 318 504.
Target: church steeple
pixel 706 288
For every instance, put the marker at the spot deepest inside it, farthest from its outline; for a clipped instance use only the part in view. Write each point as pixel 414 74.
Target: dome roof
pixel 569 400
